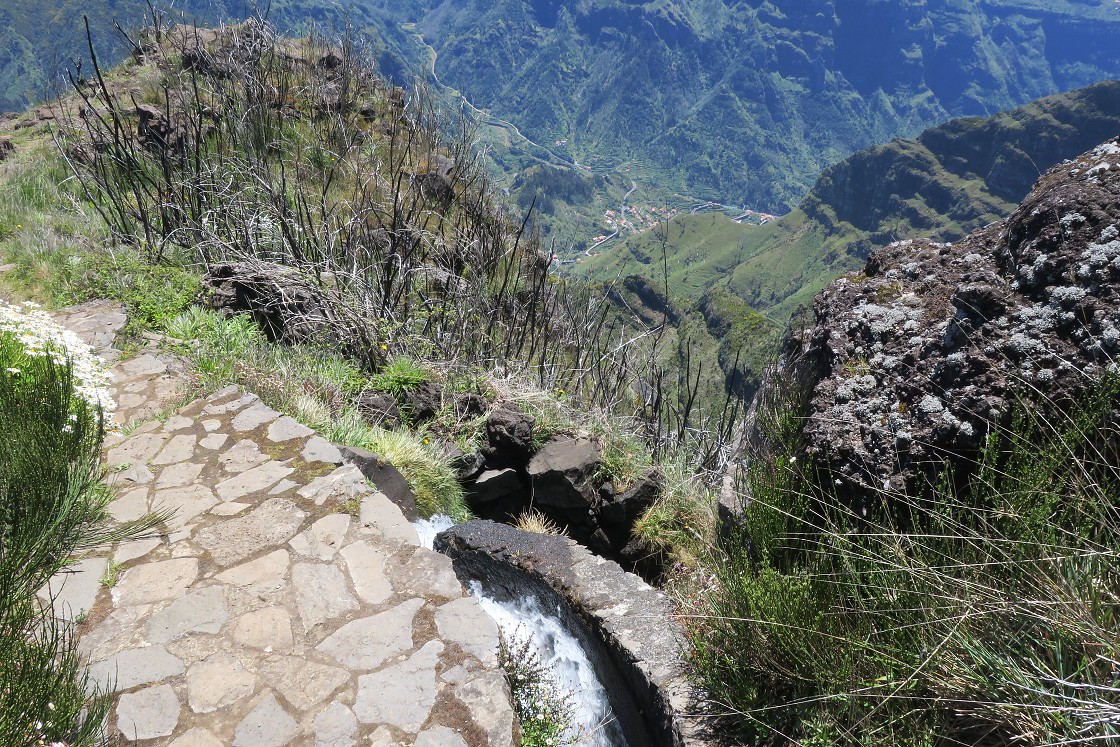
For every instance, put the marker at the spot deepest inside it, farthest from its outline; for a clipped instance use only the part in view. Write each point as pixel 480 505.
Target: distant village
pixel 635 218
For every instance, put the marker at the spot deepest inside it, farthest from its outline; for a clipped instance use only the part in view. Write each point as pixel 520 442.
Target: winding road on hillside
pixel 486 117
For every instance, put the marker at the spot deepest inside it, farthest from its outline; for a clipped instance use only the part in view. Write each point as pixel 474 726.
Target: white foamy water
pixel 562 653
pixel 559 650
pixel 427 529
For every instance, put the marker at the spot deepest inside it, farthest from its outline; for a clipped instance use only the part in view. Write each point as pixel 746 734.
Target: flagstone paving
pixel 284 602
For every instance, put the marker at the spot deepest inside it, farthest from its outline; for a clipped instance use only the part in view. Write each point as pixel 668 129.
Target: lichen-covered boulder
pixel 911 362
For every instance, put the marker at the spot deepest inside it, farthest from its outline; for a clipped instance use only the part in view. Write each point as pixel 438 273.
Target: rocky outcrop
pixel 913 361
pixel 626 626
pixel 509 437
pixel 290 307
pixel 563 479
pixel 562 473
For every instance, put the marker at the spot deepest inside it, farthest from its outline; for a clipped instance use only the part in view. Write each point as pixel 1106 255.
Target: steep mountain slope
pixel 40 41
pixel 743 101
pixel 746 101
pixel 946 182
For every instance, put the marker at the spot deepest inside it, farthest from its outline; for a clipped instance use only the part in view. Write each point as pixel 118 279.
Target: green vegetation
pixel 988 616
pixel 982 615
pixel 53 412
pixel 544 711
pixel 683 523
pixel 399 376
pixel 951 179
pixel 431 479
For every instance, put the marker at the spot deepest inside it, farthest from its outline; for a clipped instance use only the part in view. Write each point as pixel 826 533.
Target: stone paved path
pixel 286 602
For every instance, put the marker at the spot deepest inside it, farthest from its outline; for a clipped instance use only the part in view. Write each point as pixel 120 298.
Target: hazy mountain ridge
pixel 949 180
pixel 747 101
pixel 741 102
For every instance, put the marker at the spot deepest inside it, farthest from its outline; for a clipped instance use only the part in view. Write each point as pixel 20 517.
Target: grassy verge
pixel 985 615
pixel 53 410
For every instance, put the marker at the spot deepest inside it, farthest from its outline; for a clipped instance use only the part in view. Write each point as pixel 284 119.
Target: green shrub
pixel 988 616
pixel 53 409
pixel 154 295
pixel 400 376
pixel 682 522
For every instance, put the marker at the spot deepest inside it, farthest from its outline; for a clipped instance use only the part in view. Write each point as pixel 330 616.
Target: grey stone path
pixel 286 602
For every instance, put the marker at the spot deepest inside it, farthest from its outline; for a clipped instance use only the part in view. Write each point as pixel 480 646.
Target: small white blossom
pixel 41 337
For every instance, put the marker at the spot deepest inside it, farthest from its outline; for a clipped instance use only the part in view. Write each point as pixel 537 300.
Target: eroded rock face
pixel 912 361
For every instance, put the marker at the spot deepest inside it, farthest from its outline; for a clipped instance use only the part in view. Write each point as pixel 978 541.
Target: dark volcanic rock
pixel 618 514
pixel 509 438
pixel 290 307
pixel 378 408
pixel 467 465
pixel 913 361
pixel 385 477
pixel 495 484
pixel 156 132
pixel 6 147
pixel 562 471
pixel 470 405
pixel 435 188
pixel 421 404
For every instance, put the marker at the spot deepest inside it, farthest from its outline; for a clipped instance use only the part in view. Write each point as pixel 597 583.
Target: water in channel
pixel 557 647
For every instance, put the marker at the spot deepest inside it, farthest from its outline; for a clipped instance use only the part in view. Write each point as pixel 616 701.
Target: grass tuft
pixel 983 614
pixel 537 523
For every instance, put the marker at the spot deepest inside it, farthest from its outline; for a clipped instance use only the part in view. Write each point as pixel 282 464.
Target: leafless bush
pixel 269 152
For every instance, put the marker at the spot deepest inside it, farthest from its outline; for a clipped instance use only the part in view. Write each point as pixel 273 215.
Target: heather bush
pixel 54 410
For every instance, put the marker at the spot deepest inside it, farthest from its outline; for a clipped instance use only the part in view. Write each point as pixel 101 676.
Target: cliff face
pixel 913 361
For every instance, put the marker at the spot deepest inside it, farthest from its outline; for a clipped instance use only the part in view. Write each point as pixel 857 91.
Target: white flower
pixel 41 337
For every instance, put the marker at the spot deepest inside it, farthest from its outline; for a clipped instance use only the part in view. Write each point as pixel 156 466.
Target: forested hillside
pixel 740 102
pixel 948 181
pixel 746 102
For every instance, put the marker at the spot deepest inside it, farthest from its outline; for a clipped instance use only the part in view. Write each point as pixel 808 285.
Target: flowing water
pixel 558 649
pixel 427 529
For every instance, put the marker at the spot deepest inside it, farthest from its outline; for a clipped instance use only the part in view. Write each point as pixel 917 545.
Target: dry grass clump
pixel 537 523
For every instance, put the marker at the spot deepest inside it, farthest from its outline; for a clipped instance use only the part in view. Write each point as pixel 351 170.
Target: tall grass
pixel 978 615
pixel 311 384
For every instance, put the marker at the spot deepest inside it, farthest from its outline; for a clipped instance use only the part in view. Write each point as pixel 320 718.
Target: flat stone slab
pixel 137 666
pixel 402 694
pixel 203 611
pixel 152 582
pixel 75 589
pixel 149 713
pixel 264 614
pixel 364 644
